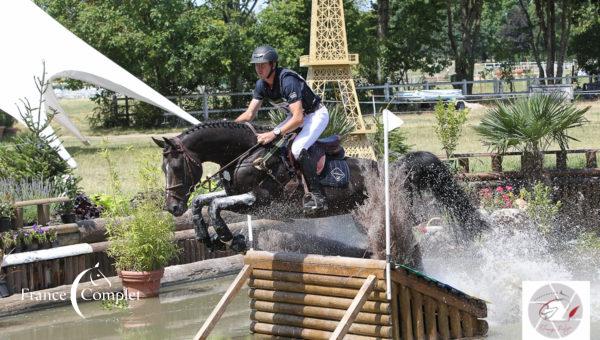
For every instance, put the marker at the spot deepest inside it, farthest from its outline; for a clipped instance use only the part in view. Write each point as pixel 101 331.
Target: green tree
pixel 464 23
pixel 585 31
pixel 449 125
pixel 414 41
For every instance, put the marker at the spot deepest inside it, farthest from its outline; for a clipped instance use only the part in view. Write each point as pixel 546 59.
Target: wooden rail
pixel 43 209
pixel 497 159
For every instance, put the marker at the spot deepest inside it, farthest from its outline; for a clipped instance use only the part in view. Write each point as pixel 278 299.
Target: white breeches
pixel 314 124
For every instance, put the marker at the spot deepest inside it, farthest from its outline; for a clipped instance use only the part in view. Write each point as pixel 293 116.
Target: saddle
pixel 329 157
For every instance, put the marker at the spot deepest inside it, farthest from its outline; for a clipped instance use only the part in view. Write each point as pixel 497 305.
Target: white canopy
pixel 29 36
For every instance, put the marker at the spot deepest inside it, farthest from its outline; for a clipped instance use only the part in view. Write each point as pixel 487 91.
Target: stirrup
pixel 314 202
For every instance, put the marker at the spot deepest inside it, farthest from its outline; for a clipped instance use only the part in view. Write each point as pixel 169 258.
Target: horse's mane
pixel 223 124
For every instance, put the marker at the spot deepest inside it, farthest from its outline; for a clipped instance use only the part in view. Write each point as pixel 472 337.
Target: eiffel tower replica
pixel 328 62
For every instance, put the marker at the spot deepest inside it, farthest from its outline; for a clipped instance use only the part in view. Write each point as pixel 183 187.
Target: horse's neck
pixel 219 144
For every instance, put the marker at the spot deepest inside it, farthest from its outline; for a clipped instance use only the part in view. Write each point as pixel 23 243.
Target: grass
pixel 130 147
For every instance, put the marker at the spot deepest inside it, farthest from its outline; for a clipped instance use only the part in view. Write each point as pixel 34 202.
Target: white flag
pixel 393 121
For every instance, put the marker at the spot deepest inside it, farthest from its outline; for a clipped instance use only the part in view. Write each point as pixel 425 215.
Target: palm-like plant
pixel 338 121
pixel 531 124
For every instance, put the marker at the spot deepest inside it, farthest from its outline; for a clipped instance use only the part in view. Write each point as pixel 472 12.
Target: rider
pixel 288 91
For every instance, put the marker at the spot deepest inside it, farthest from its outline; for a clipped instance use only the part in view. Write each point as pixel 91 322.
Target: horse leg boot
pixel 200 225
pixel 313 201
pixel 237 243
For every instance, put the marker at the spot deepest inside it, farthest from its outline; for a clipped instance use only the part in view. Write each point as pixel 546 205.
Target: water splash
pixel 494 267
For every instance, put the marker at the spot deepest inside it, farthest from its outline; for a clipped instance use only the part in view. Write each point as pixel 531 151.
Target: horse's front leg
pixel 200 225
pixel 237 243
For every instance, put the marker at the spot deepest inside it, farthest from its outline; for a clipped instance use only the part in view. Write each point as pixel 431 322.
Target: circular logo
pixel 555 310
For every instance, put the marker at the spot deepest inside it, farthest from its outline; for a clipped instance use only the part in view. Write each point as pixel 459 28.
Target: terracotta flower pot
pixel 146 284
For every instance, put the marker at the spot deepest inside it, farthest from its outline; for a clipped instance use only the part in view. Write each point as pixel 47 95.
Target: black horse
pixel 248 188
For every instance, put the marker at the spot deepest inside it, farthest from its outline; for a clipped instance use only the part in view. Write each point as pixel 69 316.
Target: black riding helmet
pixel 264 54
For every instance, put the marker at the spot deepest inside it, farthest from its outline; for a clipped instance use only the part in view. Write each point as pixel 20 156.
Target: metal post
pixel 388 254
pixel 205 104
pixel 426 85
pixel 386 91
pixel 464 87
pixel 528 83
pixel 374 107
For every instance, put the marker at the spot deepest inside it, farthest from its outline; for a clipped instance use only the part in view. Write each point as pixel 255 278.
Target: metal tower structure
pixel 329 63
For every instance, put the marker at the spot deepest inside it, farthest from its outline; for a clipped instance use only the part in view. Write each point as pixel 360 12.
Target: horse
pixel 249 188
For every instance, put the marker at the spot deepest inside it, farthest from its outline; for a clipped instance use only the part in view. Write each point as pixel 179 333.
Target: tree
pixel 585 31
pixel 413 39
pixel 554 19
pixel 462 45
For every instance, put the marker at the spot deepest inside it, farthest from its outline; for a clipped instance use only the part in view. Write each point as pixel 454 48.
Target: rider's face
pixel 263 70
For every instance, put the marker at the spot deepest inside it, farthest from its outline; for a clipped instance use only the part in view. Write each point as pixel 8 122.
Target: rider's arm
pixel 250 112
pixel 296 120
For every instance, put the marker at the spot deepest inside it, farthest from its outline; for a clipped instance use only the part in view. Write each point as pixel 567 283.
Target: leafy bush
pixel 6 206
pixel 449 125
pixel 396 139
pixel 502 197
pixel 144 242
pixel 540 206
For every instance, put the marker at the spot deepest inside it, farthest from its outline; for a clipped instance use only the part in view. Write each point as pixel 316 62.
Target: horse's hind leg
pixel 200 225
pixel 214 212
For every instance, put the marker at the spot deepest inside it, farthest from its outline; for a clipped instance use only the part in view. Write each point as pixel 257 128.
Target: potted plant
pixel 7 211
pixel 142 246
pixel 70 189
pixel 26 239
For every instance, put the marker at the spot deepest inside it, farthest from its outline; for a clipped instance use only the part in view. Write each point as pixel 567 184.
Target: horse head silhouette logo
pixel 94 274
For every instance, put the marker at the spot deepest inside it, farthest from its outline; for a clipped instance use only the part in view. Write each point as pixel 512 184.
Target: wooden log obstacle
pixel 327 297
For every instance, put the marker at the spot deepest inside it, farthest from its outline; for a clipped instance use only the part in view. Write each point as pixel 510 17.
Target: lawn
pixel 130 148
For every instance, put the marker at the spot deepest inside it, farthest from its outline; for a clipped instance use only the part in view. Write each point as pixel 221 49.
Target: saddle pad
pixel 336 173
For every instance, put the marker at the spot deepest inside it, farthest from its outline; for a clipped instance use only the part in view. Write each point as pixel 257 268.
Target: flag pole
pixel 250 236
pixel 388 256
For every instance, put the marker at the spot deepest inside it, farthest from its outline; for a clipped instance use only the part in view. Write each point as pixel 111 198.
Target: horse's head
pixel 182 171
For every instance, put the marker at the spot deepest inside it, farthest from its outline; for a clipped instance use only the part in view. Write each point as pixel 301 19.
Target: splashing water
pixel 494 267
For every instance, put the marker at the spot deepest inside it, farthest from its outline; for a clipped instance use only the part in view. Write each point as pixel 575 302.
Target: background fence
pixel 218 105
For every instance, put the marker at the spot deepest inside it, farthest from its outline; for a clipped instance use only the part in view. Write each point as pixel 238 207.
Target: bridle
pixel 189 160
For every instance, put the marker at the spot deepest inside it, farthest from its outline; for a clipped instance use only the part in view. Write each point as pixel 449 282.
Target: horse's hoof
pixel 238 244
pixel 216 244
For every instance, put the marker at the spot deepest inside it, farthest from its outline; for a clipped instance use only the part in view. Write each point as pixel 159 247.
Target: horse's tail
pixel 426 172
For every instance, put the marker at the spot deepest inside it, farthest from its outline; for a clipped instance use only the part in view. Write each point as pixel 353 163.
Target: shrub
pixel 144 242
pixel 7 206
pixel 501 197
pixel 540 207
pixel 449 125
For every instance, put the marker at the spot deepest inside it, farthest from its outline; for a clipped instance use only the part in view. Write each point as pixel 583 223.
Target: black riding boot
pixel 315 200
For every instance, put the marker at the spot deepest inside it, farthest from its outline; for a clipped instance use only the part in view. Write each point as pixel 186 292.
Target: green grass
pixel 129 147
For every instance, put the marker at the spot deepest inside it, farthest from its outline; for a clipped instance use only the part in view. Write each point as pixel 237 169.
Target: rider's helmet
pixel 264 54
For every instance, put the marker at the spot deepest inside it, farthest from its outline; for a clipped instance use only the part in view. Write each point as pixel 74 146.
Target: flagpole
pixel 388 256
pixel 250 236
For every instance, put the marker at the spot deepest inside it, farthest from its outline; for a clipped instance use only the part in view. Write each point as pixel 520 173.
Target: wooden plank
pixel 395 311
pixel 317 300
pixel 233 289
pixel 481 328
pixel 455 327
pixel 18 217
pixel 10 279
pixel 254 256
pixel 468 324
pixel 297 332
pixel 417 315
pixel 315 279
pixel 41 201
pixel 320 324
pixel 443 321
pixel 496 163
pixel 355 307
pixel 430 318
pixel 41 215
pixel 405 314
pixel 590 159
pixel 312 289
pixel 315 268
pixel 318 312
pixel 473 306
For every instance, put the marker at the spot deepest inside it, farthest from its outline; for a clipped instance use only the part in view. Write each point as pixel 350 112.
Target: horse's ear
pixel 159 142
pixel 169 142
